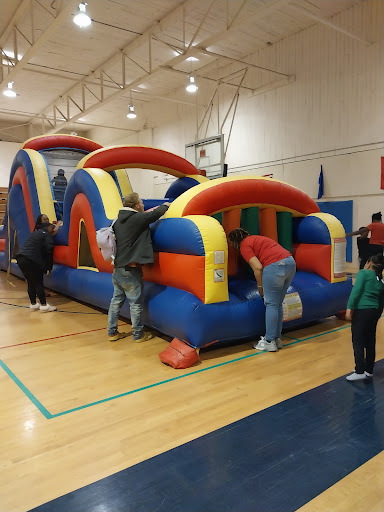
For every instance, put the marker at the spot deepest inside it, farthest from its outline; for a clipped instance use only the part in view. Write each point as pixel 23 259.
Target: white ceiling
pixel 63 65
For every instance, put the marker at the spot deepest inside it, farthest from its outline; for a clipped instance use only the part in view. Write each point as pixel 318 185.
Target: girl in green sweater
pixel 364 308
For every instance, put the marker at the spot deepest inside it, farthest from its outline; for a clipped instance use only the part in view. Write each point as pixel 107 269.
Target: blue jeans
pixel 127 284
pixel 276 279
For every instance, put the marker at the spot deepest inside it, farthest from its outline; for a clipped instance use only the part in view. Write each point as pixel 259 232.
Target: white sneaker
pixel 263 344
pixel 279 343
pixel 34 307
pixel 356 376
pixel 47 308
pixel 367 374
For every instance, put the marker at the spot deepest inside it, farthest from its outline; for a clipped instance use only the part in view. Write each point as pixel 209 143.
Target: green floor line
pixel 48 415
pixel 26 391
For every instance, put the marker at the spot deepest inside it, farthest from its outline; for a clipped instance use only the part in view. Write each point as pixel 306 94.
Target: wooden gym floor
pixel 241 431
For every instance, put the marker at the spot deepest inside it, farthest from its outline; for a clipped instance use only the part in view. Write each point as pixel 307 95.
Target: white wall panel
pixel 8 152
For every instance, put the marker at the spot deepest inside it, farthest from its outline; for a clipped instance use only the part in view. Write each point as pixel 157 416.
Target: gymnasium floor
pixel 241 431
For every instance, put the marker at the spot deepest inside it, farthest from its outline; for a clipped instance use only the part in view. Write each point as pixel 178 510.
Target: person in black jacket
pixel 133 249
pixel 34 260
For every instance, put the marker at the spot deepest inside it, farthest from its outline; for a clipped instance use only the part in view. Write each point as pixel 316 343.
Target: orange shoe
pixel 117 336
pixel 145 337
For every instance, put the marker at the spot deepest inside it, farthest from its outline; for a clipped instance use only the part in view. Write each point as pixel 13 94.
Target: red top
pixel 377 233
pixel 265 249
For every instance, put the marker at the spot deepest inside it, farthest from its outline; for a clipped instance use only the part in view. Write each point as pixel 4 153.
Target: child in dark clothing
pixel 364 308
pixel 363 247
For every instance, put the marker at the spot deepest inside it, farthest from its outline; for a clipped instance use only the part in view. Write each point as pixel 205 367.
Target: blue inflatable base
pixel 180 314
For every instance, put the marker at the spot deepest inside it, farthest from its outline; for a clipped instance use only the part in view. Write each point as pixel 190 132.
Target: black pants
pixel 364 322
pixel 34 276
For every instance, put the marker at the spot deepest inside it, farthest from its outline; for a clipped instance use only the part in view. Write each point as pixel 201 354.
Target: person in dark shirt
pixel 363 247
pixel 133 250
pixel 34 260
pixel 59 183
pixel 376 240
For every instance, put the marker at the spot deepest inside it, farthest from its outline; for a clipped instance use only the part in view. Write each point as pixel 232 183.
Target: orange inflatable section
pixel 314 258
pixel 61 141
pixel 2 244
pixel 268 223
pixel 176 270
pixel 231 220
pixel 119 157
pixel 68 255
pixel 229 192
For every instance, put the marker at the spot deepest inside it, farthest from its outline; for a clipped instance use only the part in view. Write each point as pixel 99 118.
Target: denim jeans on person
pixel 276 279
pixel 127 284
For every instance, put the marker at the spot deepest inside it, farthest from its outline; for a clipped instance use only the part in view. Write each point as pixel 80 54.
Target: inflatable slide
pixel 197 290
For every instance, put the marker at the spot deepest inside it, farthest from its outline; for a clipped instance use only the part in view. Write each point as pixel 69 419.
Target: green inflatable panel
pixel 218 217
pixel 250 220
pixel 284 229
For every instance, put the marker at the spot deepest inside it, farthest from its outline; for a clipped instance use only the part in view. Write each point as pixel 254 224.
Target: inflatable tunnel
pixel 197 290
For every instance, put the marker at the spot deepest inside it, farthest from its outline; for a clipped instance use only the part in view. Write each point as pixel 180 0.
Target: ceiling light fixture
pixel 192 59
pixel 82 19
pixel 131 110
pixel 9 91
pixel 191 87
pixel 131 114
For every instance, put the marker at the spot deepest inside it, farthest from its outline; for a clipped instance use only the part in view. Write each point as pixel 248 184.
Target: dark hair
pixel 39 221
pixel 376 216
pixel 236 237
pixel 378 264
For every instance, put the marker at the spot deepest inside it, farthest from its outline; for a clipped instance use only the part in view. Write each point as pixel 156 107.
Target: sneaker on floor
pixel 356 376
pixel 145 337
pixel 279 343
pixel 367 374
pixel 263 344
pixel 117 336
pixel 260 343
pixel 47 308
pixel 34 307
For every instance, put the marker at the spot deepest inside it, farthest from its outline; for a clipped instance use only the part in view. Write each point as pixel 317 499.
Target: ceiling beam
pixel 273 85
pixel 214 54
pixel 299 9
pixel 178 71
pixel 146 39
pixel 139 41
pixel 15 19
pixel 238 23
pixel 19 113
pixel 45 36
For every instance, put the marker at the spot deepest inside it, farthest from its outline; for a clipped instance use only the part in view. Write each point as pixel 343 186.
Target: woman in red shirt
pixel 274 269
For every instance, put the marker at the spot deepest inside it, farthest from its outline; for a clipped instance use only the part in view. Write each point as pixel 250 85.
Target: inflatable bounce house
pixel 196 291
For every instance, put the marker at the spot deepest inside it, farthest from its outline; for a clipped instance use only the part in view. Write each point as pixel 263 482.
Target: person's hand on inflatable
pixel 348 314
pixel 261 291
pixel 48 272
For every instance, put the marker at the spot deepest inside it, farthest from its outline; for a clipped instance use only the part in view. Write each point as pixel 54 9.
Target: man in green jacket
pixel 133 250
